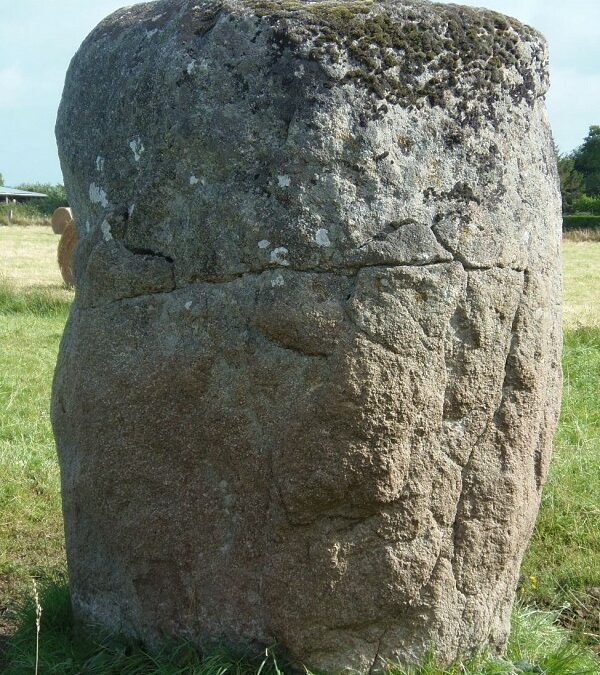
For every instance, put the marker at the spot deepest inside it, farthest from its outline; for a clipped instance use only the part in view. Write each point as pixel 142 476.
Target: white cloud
pixel 12 84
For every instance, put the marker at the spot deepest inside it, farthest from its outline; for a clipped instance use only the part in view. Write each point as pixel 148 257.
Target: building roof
pixel 13 192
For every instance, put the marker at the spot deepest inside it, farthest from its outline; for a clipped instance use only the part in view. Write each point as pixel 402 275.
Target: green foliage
pixel 571 182
pixel 25 213
pixel 587 205
pixel 1 180
pixel 47 205
pixel 538 644
pixel 587 161
pixel 580 222
pixel 31 539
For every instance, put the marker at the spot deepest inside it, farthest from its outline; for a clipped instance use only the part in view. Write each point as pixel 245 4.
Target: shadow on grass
pixel 68 650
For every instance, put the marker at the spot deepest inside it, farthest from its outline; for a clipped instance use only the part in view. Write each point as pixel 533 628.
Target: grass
pixel 555 625
pixel 31 539
pixel 24 221
pixel 562 566
pixel 581 235
pixel 581 293
pixel 67 651
pixel 28 259
pixel 537 645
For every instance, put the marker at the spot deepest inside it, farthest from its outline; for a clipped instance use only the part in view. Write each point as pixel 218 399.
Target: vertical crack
pixel 372 670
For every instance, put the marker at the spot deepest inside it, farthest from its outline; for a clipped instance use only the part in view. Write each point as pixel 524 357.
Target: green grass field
pixel 556 621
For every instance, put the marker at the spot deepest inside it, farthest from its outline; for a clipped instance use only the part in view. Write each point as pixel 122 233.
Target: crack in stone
pixel 289 348
pixel 440 555
pixel 390 228
pixel 467 265
pixel 378 651
pixel 456 523
pixel 349 271
pixel 491 420
pixel 147 252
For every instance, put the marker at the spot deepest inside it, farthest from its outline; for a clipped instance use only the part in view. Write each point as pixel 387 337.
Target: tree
pixel 585 204
pixel 1 180
pixel 587 161
pixel 571 182
pixel 46 206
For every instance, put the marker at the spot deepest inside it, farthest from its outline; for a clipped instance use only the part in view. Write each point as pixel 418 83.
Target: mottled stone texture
pixel 308 386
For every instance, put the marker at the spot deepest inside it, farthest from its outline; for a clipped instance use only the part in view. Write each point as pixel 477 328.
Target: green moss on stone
pixel 389 54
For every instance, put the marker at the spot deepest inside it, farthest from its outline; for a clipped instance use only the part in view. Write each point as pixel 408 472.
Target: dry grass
pixel 581 292
pixel 582 235
pixel 23 220
pixel 28 259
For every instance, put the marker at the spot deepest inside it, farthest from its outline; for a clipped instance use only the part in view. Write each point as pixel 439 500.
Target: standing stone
pixel 309 383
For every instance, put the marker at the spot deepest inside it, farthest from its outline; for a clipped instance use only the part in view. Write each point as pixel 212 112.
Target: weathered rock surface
pixel 309 383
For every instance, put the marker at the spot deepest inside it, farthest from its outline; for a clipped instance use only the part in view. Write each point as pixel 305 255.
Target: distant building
pixel 8 195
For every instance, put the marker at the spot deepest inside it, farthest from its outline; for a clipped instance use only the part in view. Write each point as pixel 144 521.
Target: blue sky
pixel 39 37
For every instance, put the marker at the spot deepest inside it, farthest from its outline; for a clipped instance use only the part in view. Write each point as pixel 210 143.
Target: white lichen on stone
pixel 130 210
pixel 194 180
pixel 188 305
pixel 106 233
pixel 98 195
pixel 100 164
pixel 283 181
pixel 278 281
pixel 137 147
pixel 264 243
pixel 278 256
pixel 87 227
pixel 150 33
pixel 190 67
pixel 322 237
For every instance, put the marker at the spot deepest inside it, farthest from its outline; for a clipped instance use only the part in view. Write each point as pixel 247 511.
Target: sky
pixel 39 37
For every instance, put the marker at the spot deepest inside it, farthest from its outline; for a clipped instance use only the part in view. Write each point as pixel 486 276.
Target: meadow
pixel 556 622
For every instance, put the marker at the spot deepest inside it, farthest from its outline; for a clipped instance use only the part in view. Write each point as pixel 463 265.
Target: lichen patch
pixel 137 147
pixel 106 233
pixel 322 237
pixel 98 195
pixel 278 256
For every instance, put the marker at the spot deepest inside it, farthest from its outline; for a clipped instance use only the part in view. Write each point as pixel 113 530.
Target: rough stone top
pixel 235 136
pixel 404 51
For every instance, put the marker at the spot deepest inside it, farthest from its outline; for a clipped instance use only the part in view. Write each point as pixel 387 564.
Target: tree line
pixel 579 173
